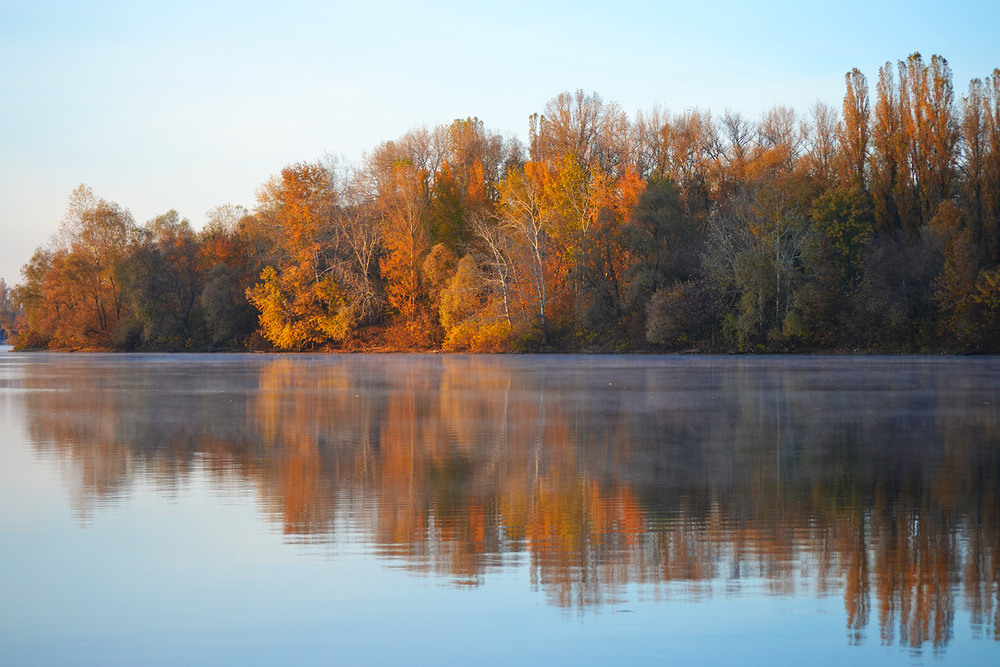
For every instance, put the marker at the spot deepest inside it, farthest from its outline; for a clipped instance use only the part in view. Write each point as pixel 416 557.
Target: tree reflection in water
pixel 874 477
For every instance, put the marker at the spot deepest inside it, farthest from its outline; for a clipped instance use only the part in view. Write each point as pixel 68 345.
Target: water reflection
pixel 876 479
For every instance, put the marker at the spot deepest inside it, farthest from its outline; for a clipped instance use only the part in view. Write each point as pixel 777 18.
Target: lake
pixel 451 509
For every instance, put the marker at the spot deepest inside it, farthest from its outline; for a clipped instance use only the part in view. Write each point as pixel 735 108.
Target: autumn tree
pixel 406 241
pixel 538 275
pixel 736 147
pixel 233 253
pixel 617 145
pixel 436 272
pixel 570 125
pixel 692 151
pixel 980 163
pixel 470 143
pixel 360 227
pixel 423 149
pixel 889 168
pixel 72 295
pixel 470 316
pixel 492 259
pixel 446 211
pixel 967 296
pixel 31 294
pixel 649 153
pixel 820 159
pixel 989 237
pixel 855 132
pixel 930 131
pixel 602 266
pixel 779 143
pixel 914 141
pixel 301 303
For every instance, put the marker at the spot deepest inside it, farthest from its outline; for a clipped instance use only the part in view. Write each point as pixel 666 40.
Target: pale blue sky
pixel 188 105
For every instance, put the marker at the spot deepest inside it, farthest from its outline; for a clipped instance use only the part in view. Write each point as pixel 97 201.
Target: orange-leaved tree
pixel 406 241
pixel 71 294
pixel 302 305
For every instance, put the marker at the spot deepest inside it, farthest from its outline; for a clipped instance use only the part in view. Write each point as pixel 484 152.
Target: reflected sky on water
pixel 414 508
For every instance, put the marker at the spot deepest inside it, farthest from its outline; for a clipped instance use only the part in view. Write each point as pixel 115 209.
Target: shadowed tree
pixel 162 279
pixel 833 262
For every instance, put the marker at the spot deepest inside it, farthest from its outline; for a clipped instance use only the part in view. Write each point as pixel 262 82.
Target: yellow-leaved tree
pixel 302 305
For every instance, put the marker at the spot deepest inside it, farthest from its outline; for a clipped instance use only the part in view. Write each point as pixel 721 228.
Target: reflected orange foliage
pixel 462 465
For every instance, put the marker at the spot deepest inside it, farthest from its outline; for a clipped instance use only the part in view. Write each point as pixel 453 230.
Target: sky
pixel 190 105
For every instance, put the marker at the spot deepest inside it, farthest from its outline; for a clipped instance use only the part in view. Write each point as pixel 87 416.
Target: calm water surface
pixel 241 509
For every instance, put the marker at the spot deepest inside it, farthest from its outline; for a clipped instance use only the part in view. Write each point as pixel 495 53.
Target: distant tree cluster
pixel 9 312
pixel 873 228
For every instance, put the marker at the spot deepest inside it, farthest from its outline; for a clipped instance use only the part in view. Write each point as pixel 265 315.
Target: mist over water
pixel 404 508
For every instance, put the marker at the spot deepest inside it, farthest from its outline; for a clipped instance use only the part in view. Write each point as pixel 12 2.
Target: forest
pixel 874 227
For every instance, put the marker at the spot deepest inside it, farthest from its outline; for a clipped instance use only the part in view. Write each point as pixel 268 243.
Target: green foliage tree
pixel 663 241
pixel 162 280
pixel 233 249
pixel 682 315
pixel 833 261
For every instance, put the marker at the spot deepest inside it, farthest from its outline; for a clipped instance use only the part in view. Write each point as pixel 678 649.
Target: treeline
pixel 875 227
